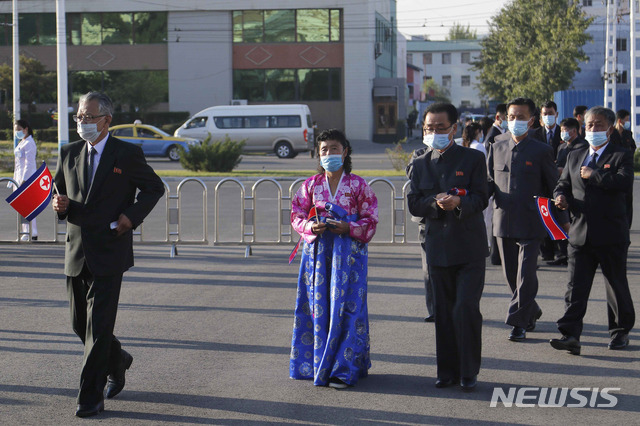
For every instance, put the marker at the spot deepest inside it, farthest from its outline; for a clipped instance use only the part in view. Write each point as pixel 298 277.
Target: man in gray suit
pixel 520 168
pixel 449 190
pixel 98 178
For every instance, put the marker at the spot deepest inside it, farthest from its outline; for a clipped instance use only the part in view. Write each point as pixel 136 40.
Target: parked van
pixel 283 129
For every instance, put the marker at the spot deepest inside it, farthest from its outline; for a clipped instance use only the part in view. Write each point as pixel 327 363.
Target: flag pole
pixel 16 69
pixel 63 103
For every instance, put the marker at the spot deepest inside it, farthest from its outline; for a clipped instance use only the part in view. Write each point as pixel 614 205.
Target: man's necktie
pixel 593 163
pixel 550 134
pixel 90 165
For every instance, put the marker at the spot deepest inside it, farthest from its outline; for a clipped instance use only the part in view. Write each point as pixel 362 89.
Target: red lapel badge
pixel 607 166
pixel 117 170
pixel 528 163
pixel 459 173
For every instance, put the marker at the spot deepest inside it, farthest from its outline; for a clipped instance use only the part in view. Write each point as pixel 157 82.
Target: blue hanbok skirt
pixel 331 324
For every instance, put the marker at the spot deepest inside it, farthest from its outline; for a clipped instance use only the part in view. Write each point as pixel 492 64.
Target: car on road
pixel 153 141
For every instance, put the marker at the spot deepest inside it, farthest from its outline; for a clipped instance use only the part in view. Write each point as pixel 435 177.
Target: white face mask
pixel 88 131
pixel 20 134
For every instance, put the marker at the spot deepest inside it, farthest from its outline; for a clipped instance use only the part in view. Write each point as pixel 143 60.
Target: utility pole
pixel 63 104
pixel 610 71
pixel 16 69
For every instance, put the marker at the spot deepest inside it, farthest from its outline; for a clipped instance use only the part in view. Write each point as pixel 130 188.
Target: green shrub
pixel 636 161
pixel 217 156
pixel 398 156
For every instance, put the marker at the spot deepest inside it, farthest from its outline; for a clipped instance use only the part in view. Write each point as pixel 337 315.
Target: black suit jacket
pixel 541 134
pixel 565 148
pixel 451 237
pixel 491 135
pixel 517 173
pixel 597 205
pixel 122 171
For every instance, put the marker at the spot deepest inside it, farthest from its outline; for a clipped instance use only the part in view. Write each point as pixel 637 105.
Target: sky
pixel 434 18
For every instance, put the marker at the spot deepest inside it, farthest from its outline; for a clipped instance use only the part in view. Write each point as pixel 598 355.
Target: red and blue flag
pixel 312 213
pixel 33 195
pixel 546 208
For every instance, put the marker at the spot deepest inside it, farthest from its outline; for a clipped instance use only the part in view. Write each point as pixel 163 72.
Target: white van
pixel 283 129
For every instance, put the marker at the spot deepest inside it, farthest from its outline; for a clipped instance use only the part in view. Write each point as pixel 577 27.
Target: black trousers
pixel 583 263
pixel 458 290
pixel 428 286
pixel 519 263
pixel 94 304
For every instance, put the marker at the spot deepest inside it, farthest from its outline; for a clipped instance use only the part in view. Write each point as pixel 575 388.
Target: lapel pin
pixel 117 170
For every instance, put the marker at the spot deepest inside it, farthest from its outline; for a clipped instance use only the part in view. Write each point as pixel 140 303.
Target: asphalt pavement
pixel 210 334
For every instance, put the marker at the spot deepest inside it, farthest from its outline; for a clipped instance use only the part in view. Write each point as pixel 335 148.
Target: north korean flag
pixel 546 209
pixel 33 195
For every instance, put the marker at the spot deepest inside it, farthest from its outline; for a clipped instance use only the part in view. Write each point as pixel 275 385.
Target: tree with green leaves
pixel 459 32
pixel 434 92
pixel 533 49
pixel 36 83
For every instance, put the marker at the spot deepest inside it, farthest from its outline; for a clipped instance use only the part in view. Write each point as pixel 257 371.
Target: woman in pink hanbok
pixel 330 342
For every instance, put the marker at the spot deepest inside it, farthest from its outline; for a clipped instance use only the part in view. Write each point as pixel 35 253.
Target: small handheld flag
pixel 312 213
pixel 550 224
pixel 33 195
pixel 457 191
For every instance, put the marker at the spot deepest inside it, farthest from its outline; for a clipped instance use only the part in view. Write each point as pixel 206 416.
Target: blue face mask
pixel 518 127
pixel 481 138
pixel 549 120
pixel 331 163
pixel 504 124
pixel 436 141
pixel 565 136
pixel 20 134
pixel 596 139
pixel 627 125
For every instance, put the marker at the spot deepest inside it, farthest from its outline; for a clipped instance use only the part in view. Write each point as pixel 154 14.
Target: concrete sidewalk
pixel 210 332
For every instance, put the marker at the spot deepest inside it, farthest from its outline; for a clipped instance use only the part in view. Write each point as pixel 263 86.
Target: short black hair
pixel 570 123
pixel 439 107
pixel 25 125
pixel 335 135
pixel 501 109
pixel 579 110
pixel 622 114
pixel 549 104
pixel 523 101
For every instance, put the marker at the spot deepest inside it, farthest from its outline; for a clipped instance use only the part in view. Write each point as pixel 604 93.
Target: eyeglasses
pixel 86 117
pixel 441 130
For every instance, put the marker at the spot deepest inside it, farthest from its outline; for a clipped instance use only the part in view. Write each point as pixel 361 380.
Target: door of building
pixel 386 118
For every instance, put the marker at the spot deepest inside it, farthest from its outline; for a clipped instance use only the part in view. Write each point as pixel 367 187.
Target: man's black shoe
pixel 443 383
pixel 430 318
pixel 621 341
pixel 566 343
pixel 468 383
pixel 116 381
pixel 561 261
pixel 518 334
pixel 88 410
pixel 532 324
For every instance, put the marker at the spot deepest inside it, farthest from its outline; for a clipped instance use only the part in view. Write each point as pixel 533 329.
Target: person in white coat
pixel 25 165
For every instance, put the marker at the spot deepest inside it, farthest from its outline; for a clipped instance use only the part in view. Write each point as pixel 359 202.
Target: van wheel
pixel 173 153
pixel 284 150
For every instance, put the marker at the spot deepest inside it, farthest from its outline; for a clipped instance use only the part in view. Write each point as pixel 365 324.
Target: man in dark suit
pixel 449 190
pixel 97 179
pixel 428 286
pixel 625 139
pixel 578 114
pixel 520 168
pixel 500 125
pixel 593 186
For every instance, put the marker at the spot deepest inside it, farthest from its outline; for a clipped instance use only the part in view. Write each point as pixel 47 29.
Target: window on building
pixel 253 26
pixel 621 44
pixel 428 77
pixel 465 57
pixel 622 77
pixel 82 82
pixel 410 58
pixel 90 29
pixel 446 58
pixel 587 2
pixel 317 84
pixel 279 26
pixel 117 28
pixel 465 104
pixel 465 80
pixel 313 25
pixel 149 27
pixel 446 81
pixel 334 25
pixel 36 29
pixel 426 58
pixel 6 36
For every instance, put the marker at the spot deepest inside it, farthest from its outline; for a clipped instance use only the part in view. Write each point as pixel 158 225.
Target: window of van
pixel 196 123
pixel 228 122
pixel 260 122
pixel 285 121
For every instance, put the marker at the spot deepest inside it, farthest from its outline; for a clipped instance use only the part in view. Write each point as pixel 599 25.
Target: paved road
pixel 210 332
